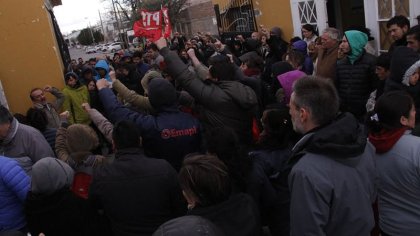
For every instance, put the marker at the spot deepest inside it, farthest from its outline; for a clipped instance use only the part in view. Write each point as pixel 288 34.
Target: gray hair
pixel 313 93
pixel 333 33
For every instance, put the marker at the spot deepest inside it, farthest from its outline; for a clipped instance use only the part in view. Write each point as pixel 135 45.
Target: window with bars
pixel 386 10
pixel 307 13
pixel 238 16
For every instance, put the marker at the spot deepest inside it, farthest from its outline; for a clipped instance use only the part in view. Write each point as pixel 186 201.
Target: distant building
pixel 198 16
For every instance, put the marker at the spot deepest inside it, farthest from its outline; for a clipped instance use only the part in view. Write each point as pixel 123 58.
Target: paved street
pixel 76 53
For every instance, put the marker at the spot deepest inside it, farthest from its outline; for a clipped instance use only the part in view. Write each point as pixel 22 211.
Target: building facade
pixel 248 15
pixel 290 15
pixel 343 14
pixel 198 16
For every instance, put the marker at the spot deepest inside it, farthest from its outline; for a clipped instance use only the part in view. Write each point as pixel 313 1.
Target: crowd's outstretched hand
pixel 112 75
pixel 161 43
pixel 48 88
pixel 86 106
pixel 102 83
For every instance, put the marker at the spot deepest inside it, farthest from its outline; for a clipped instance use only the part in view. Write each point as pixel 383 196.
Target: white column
pixel 322 14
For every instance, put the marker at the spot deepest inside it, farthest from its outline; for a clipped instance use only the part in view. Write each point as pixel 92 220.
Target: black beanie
pixel 161 93
pixel 280 67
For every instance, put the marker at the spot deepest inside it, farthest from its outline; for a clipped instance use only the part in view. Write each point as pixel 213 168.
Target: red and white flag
pixel 153 24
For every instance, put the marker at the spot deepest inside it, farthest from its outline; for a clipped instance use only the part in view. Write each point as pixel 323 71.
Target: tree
pixel 174 7
pixel 85 36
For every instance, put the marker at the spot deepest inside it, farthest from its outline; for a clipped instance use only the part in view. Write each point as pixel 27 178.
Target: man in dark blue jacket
pixel 170 134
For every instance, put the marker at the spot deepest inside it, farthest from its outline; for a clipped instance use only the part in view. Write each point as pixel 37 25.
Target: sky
pixel 76 14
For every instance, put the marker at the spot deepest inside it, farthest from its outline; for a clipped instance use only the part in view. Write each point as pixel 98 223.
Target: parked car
pixel 113 47
pixel 90 50
pixel 105 47
pixel 98 47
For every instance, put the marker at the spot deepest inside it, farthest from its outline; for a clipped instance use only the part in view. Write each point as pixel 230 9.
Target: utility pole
pixel 102 25
pixel 118 22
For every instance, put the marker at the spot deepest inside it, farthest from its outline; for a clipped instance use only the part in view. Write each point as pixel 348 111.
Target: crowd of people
pixel 250 136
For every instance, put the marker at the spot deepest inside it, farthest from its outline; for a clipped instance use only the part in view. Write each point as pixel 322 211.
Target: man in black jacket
pixel 221 100
pixel 137 193
pixel 398 27
pixel 355 74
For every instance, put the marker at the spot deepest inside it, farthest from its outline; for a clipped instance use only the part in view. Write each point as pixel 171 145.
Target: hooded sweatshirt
pixel 50 175
pixel 51 208
pixel 286 81
pixel 357 41
pixel 25 144
pixel 74 97
pixel 104 65
pixel 332 181
pixel 169 134
pixel 188 225
pixel 409 72
pixel 161 94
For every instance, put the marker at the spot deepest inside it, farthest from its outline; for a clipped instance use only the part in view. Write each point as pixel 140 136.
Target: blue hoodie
pixel 357 41
pixel 104 65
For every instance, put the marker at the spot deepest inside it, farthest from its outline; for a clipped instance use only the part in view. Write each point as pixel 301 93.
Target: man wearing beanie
pixel 169 134
pixel 355 74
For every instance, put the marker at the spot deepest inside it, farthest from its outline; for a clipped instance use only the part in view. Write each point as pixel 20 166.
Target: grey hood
pixel 14 125
pixel 409 72
pixel 188 225
pixel 50 175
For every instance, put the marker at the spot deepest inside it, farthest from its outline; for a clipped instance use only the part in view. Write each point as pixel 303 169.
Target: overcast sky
pixel 76 14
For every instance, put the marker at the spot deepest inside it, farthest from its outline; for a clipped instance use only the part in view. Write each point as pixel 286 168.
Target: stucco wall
pixel 272 13
pixel 28 51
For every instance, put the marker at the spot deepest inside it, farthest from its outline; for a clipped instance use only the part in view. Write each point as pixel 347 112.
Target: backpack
pixel 83 175
pixel 81 183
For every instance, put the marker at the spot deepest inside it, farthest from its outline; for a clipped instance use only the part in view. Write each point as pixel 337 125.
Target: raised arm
pixel 59 96
pixel 178 70
pixel 100 121
pixel 131 96
pixel 115 110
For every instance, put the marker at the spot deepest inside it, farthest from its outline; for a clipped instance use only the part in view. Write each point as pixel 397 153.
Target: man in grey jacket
pixel 39 101
pixel 332 180
pixel 21 142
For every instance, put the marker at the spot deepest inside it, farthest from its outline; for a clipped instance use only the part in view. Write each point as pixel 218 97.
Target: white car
pixel 98 47
pixel 105 47
pixel 90 50
pixel 113 47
